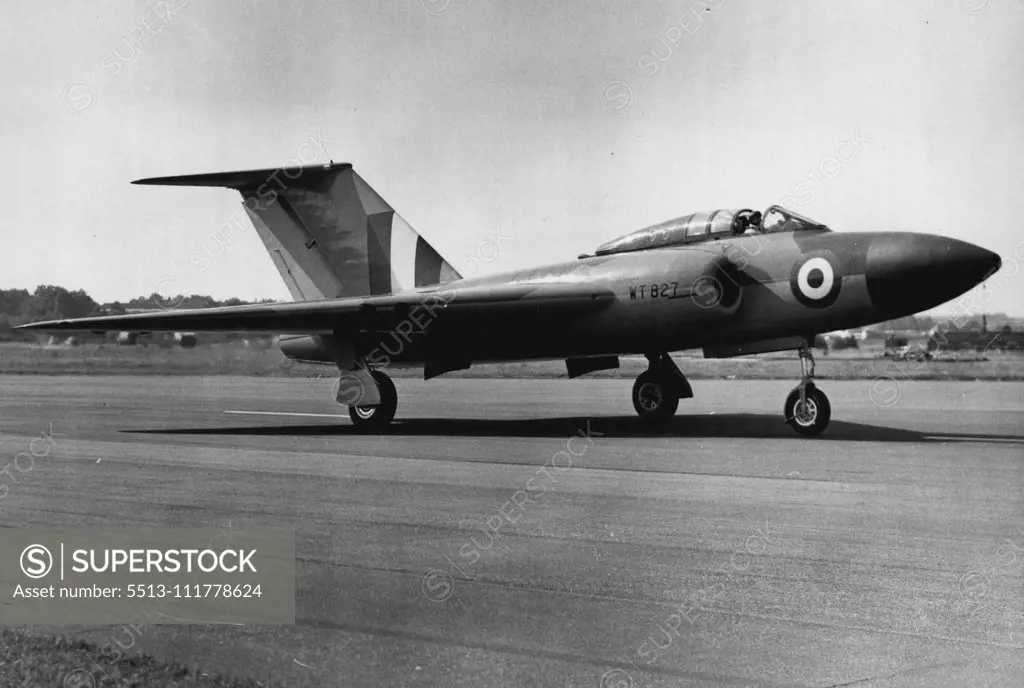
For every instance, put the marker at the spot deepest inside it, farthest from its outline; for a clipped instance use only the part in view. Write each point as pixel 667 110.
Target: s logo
pixel 816 279
pixel 36 561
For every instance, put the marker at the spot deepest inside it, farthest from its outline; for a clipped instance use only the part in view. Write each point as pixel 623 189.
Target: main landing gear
pixel 377 416
pixel 807 409
pixel 657 391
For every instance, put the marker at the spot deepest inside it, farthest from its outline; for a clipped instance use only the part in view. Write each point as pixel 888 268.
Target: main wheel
pixel 377 416
pixel 654 397
pixel 810 417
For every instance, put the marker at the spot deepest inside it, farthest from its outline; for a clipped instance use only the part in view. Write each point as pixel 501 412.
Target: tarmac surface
pixel 477 545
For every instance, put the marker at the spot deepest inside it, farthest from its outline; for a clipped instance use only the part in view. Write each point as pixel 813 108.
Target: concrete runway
pixel 722 551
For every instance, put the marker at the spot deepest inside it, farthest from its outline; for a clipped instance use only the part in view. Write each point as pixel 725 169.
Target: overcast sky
pixel 564 124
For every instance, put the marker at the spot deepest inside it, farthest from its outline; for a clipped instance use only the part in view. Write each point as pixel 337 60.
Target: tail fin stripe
pixel 403 254
pixel 378 252
pixel 428 264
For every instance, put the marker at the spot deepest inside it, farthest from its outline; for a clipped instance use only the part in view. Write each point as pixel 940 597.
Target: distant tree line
pixel 49 302
pixel 924 323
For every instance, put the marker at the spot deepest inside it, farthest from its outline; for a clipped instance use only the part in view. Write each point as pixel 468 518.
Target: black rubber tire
pixel 377 416
pixel 809 424
pixel 651 387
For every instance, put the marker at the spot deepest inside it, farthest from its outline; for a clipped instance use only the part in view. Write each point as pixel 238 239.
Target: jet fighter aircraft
pixel 371 293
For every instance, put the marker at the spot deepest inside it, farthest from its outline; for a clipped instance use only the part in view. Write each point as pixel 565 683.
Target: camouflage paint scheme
pixel 671 298
pixel 331 236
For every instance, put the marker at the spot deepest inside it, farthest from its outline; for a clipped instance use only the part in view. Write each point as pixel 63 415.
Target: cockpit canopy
pixel 779 219
pixel 718 224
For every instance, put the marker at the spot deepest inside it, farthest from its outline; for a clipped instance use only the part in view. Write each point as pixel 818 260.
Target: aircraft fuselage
pixel 709 295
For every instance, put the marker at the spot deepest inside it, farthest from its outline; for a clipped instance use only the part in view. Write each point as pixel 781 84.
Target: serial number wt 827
pixel 665 290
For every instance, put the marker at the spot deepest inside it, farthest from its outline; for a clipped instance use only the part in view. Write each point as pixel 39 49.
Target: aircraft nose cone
pixel 908 273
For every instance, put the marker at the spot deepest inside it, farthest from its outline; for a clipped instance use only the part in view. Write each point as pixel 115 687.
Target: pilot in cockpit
pixel 755 222
pixel 747 222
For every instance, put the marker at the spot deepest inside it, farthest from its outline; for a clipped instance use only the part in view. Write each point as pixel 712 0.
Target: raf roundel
pixel 816 279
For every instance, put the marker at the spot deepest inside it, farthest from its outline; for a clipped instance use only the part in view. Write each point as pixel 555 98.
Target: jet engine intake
pixel 718 289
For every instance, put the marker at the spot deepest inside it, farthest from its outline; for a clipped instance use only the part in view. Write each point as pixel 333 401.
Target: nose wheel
pixel 807 409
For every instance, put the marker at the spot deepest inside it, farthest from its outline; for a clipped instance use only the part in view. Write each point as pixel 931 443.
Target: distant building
pixel 976 340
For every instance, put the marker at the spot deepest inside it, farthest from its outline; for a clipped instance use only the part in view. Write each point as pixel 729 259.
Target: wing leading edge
pixel 350 314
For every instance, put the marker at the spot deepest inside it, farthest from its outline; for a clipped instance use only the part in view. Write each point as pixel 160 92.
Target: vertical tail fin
pixel 328 232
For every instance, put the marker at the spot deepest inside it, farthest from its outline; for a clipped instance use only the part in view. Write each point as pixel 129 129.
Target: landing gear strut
pixel 657 391
pixel 377 416
pixel 807 409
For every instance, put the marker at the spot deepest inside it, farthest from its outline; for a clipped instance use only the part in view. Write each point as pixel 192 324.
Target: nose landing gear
pixel 807 409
